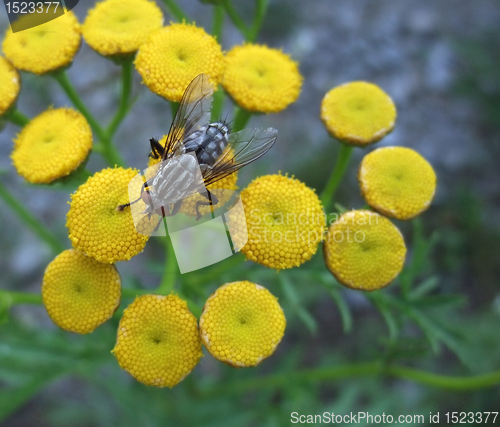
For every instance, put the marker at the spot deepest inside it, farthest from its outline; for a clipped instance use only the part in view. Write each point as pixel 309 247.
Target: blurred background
pixel 439 62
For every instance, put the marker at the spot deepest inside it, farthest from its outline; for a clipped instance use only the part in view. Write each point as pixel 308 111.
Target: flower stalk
pixel 328 193
pixel 18 118
pixel 106 147
pixel 127 68
pixel 31 221
pixel 176 11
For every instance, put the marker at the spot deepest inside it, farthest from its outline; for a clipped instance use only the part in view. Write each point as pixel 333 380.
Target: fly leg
pixel 126 205
pixel 212 200
pixel 157 150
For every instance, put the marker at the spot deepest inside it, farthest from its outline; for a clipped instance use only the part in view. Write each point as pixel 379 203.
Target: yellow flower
pixel 10 85
pixel 397 182
pixel 52 145
pixel 242 324
pixel 189 203
pixel 79 292
pixel 45 47
pixel 158 341
pixel 358 113
pixel 261 79
pixel 175 55
pixel 97 228
pixel 364 250
pixel 115 27
pixel 284 219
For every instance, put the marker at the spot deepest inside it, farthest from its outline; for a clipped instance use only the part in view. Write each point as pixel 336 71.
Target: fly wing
pixel 193 113
pixel 243 148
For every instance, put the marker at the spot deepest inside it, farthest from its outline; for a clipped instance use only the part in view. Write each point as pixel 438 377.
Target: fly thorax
pixel 210 144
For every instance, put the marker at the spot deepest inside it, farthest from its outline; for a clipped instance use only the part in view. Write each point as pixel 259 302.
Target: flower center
pixel 181 56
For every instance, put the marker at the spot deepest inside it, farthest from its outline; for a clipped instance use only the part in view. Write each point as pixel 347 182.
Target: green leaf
pixel 344 310
pixel 12 399
pixel 422 247
pixel 425 287
pixel 294 300
pixel 380 301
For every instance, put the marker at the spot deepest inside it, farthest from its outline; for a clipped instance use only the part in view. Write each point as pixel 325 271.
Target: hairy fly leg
pixel 212 200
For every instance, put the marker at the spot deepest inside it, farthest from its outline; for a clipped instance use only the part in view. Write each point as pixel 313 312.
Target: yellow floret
pixel 79 292
pixel 284 219
pixel 173 56
pixel 52 145
pixel 158 341
pixel 242 324
pixel 97 227
pixel 364 250
pixel 10 85
pixel 261 79
pixel 358 113
pixel 116 27
pixel 397 182
pixel 45 47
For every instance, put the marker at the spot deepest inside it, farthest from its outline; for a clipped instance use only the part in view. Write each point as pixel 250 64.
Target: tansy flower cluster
pixel 159 341
pixel 46 47
pixel 363 249
pixel 284 221
pixel 119 27
pixel 52 145
pixel 11 85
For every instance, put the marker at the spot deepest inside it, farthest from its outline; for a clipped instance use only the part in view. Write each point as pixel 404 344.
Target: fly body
pixel 198 153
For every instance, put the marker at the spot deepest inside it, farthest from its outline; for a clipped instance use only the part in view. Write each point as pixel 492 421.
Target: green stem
pixel 63 80
pixel 217 105
pixel 174 106
pixel 124 99
pixel 17 118
pixel 106 148
pixel 218 22
pixel 132 293
pixel 176 11
pixel 260 13
pixel 241 119
pixel 169 274
pixel 14 297
pixel 39 229
pixel 328 193
pixel 235 18
pixel 472 382
pixel 360 370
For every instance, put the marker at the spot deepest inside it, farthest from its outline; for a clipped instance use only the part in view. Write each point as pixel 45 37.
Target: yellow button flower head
pixel 358 113
pixel 52 145
pixel 261 79
pixel 79 292
pixel 284 219
pixel 189 204
pixel 45 47
pixel 158 341
pixel 96 227
pixel 174 56
pixel 364 250
pixel 10 85
pixel 116 27
pixel 242 324
pixel 397 182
